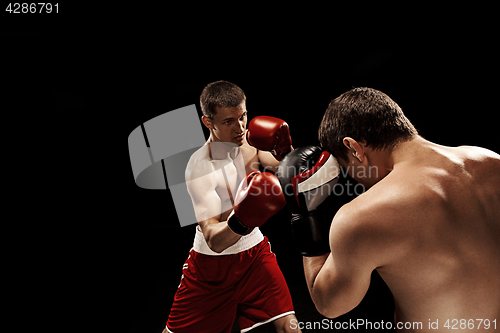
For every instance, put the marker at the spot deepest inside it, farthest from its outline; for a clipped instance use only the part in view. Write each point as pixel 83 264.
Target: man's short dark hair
pixel 222 94
pixel 366 115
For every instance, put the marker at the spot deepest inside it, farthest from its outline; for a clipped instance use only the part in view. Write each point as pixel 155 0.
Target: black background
pixel 108 253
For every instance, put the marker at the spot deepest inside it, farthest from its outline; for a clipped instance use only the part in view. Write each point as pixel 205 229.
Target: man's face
pixel 229 124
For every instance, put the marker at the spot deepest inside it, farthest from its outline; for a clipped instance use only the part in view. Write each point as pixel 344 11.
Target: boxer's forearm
pixel 218 235
pixel 312 267
pixel 268 161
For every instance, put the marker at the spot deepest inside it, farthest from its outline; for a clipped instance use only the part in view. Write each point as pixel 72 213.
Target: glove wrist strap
pixel 311 234
pixel 237 227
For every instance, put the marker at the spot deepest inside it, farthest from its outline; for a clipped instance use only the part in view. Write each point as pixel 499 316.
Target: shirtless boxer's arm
pixel 338 281
pixel 201 185
pixel 217 234
pixel 365 234
pixel 268 161
pixel 258 198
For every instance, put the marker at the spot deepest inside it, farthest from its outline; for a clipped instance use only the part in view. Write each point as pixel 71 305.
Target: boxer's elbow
pixel 325 304
pixel 329 311
pixel 331 308
pixel 333 305
pixel 218 236
pixel 214 246
pixel 218 242
pixel 332 299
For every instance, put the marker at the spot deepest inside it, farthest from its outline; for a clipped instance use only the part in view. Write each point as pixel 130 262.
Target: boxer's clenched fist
pixel 270 134
pixel 259 197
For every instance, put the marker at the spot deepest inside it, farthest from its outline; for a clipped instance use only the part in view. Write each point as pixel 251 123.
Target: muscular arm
pixel 339 280
pixel 312 266
pixel 217 234
pixel 201 184
pixel 268 161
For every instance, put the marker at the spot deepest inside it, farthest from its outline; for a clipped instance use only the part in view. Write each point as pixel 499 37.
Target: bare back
pixel 442 208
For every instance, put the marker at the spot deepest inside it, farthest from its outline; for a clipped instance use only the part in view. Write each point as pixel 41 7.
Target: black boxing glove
pixel 308 176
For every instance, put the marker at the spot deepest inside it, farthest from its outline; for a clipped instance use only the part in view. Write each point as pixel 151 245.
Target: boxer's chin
pixel 239 140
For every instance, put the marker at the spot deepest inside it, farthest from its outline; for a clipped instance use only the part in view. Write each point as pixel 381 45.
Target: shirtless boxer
pixel 231 270
pixel 429 222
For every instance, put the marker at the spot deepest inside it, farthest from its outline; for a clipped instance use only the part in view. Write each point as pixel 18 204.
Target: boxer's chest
pixel 232 170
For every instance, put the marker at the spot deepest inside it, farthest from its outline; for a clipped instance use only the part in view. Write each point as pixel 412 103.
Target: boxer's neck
pixel 219 150
pixel 408 150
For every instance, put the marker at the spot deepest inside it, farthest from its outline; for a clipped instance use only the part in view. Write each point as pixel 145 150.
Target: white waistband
pixel 244 243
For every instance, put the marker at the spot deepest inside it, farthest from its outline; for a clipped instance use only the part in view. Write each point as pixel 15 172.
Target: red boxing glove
pixel 270 134
pixel 258 198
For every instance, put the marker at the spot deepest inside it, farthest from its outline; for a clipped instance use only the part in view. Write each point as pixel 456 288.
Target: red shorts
pixel 214 289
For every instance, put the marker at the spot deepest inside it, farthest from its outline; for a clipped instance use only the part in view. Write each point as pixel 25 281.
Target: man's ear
pixel 355 148
pixel 207 122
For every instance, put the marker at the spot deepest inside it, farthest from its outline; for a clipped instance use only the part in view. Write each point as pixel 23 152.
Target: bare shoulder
pixel 481 162
pixel 247 149
pixel 480 153
pixel 378 223
pixel 386 201
pixel 479 156
pixel 199 164
pixel 201 185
